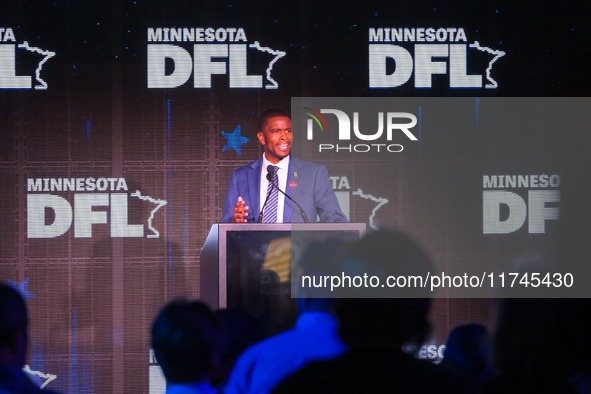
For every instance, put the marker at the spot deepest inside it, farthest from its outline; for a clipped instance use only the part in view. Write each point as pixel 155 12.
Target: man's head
pixel 318 257
pixel 185 339
pixel 275 134
pixel 391 319
pixel 13 328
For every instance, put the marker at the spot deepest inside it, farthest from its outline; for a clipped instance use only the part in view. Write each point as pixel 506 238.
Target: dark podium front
pixel 247 266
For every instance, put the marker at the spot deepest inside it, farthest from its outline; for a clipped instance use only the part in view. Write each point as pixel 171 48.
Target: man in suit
pixel 305 182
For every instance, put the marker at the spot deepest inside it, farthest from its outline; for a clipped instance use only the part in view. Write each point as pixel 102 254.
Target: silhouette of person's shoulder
pixel 371 371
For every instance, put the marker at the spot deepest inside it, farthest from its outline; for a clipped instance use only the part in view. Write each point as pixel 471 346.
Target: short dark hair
pixel 271 113
pixel 185 339
pixel 13 314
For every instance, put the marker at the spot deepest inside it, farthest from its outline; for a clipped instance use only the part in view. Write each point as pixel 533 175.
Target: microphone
pixel 270 179
pixel 270 174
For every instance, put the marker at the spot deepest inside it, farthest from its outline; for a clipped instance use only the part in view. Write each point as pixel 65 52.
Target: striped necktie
pixel 270 214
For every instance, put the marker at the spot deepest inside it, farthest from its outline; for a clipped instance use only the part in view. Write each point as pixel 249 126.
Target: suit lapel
pixel 293 166
pixel 254 188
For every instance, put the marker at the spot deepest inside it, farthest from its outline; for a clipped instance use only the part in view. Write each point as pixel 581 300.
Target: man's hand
pixel 239 214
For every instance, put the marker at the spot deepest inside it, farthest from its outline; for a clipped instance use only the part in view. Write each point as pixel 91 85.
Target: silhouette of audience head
pixel 13 328
pixel 185 339
pixel 239 331
pixel 319 257
pixel 468 352
pixel 394 319
pixel 538 343
pixel 14 325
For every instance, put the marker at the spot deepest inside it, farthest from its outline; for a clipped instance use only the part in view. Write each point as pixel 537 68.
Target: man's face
pixel 276 137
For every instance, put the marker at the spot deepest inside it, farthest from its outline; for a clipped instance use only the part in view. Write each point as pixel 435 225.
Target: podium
pixel 248 266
